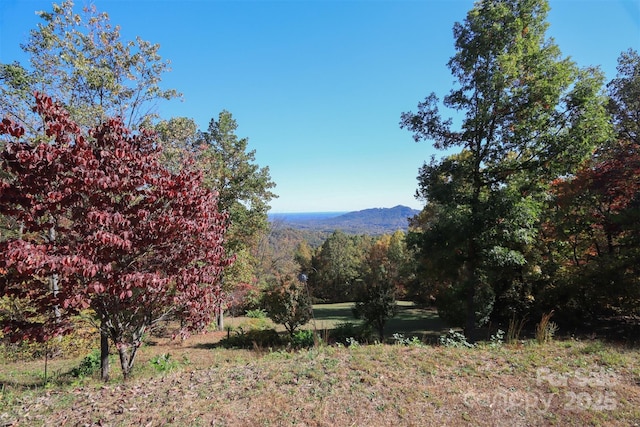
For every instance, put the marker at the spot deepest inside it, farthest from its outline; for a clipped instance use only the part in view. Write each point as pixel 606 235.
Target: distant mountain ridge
pixel 373 221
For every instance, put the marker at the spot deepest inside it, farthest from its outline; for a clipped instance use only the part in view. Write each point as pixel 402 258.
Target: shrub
pixel 288 304
pixel 347 333
pixel 303 339
pixel 252 338
pixel 88 366
pixel 455 339
pixel 257 313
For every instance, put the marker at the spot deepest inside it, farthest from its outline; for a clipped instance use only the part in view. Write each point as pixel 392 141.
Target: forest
pixel 119 222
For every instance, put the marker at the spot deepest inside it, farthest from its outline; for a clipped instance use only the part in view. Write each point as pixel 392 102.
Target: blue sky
pixel 318 86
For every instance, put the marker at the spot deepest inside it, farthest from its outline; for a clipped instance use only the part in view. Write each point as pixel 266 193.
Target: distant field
pixel 410 320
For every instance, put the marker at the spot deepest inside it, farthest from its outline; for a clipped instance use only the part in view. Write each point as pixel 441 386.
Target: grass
pixel 570 382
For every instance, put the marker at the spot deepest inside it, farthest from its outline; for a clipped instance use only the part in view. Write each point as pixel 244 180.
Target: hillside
pixel 568 383
pixel 373 221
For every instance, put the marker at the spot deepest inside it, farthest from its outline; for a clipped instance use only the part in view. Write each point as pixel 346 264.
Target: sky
pixel 318 86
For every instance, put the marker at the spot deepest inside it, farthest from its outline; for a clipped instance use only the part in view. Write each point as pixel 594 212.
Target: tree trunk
pixel 104 354
pixel 220 318
pixel 125 360
pixel 54 280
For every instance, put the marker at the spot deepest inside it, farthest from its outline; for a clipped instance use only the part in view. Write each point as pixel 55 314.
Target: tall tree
pixel 81 60
pixel 337 264
pixel 106 227
pixel 593 228
pixel 243 186
pixel 381 281
pixel 529 115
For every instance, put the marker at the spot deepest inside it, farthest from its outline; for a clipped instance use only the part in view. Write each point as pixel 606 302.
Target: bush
pixel 257 313
pixel 164 363
pixel 88 366
pixel 288 304
pixel 303 339
pixel 455 339
pixel 347 333
pixel 252 338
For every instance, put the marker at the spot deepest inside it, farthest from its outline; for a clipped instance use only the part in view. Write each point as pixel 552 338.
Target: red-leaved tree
pixel 104 226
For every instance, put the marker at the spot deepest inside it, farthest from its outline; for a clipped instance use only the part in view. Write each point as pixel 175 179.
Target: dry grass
pixel 559 383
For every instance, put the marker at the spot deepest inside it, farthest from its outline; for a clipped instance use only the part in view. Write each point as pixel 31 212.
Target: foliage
pixel 304 338
pixel 253 338
pixel 591 232
pixel 347 333
pixel 257 313
pixel 164 363
pixel 529 116
pixel 497 339
pixel 455 339
pixel 244 189
pixel 400 339
pixel 337 265
pixel 105 227
pixel 288 304
pixel 385 273
pixel 88 366
pixel 81 60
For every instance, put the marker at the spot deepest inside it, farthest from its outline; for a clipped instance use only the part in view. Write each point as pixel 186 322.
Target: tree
pixel 244 187
pixel 529 116
pixel 593 231
pixel 376 295
pixel 106 227
pixel 288 304
pixel 81 60
pixel 337 265
pixel 229 167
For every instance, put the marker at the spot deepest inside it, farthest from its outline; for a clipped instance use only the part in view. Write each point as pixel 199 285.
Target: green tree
pixel 81 60
pixel 376 293
pixel 337 265
pixel 288 304
pixel 244 187
pixel 244 190
pixel 529 115
pixel 593 237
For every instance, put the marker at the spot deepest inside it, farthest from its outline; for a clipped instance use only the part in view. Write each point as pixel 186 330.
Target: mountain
pixel 373 221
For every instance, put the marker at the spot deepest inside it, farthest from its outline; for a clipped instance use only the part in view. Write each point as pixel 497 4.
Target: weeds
pixel 401 340
pixel 546 330
pixel 515 329
pixel 497 339
pixel 164 363
pixel 455 339
pixel 88 366
pixel 258 313
pixel 303 338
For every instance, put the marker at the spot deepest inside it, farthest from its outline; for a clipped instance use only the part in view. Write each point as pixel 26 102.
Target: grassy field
pixel 198 383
